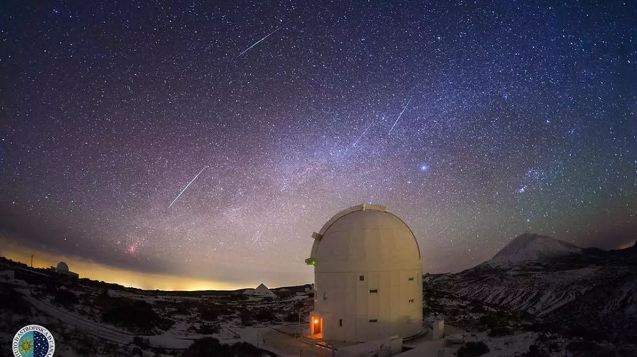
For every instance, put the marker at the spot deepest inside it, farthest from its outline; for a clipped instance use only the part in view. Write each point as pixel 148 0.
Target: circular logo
pixel 33 341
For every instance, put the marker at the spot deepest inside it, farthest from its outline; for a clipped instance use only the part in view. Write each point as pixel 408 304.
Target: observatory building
pixel 368 277
pixel 63 269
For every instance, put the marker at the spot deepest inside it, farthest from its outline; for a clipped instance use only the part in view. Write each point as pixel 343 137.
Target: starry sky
pixel 210 140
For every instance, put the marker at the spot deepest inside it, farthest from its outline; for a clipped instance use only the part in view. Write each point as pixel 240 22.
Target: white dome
pixel 62 267
pixel 367 277
pixel 365 237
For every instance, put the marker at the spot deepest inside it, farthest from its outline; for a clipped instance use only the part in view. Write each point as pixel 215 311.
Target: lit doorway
pixel 316 326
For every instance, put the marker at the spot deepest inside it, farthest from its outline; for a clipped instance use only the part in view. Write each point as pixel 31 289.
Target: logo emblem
pixel 33 341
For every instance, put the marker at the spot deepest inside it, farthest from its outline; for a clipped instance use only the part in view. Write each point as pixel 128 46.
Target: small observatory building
pixel 63 269
pixel 367 277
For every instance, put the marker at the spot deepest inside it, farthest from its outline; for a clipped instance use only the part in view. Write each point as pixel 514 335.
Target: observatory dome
pixel 368 277
pixel 363 237
pixel 62 267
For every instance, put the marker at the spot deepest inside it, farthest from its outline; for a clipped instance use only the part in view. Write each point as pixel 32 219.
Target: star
pixel 194 139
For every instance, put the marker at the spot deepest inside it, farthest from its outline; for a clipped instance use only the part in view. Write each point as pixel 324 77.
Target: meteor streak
pixel 185 188
pixel 363 134
pixel 256 43
pixel 399 115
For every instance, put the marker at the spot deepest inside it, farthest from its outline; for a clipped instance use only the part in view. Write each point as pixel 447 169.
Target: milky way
pixel 473 122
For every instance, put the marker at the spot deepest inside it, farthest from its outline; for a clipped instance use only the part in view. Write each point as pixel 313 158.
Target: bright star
pixel 424 167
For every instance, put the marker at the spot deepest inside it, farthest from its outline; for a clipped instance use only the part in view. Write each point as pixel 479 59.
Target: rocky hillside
pixel 92 318
pixel 583 292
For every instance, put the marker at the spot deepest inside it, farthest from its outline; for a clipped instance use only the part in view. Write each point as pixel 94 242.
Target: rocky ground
pixel 582 304
pixel 99 319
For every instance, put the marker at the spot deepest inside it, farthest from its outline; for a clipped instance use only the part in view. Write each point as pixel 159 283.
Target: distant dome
pixel 62 267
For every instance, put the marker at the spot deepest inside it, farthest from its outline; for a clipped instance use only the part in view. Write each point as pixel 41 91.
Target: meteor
pixel 188 185
pixel 256 43
pixel 399 115
pixel 363 134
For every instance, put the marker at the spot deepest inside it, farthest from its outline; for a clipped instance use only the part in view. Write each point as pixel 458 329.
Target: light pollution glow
pixel 96 271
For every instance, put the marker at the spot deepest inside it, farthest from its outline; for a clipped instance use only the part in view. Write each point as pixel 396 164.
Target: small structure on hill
pixel 63 269
pixel 260 291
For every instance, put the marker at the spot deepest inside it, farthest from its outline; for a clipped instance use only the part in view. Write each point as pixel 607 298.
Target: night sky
pixel 473 121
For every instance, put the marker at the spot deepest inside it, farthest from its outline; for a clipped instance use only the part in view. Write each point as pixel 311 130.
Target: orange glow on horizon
pixel 97 271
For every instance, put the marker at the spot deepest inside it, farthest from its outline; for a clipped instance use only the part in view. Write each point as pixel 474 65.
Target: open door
pixel 316 326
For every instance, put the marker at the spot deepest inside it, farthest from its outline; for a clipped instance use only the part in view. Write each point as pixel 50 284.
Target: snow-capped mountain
pixel 531 247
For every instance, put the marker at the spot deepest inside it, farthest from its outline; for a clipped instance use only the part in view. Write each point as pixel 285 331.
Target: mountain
pixel 589 293
pixel 531 247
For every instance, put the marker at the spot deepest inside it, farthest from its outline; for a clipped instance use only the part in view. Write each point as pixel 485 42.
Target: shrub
pixel 86 347
pixel 140 342
pixel 473 349
pixel 584 347
pixel 535 351
pixel 65 298
pixel 208 346
pixel 246 349
pixel 136 351
pixel 292 316
pixel 12 301
pixel 494 320
pixel 264 315
pixel 134 315
pixel 477 308
pixel 500 331
pixel 238 297
pixel 210 312
pixel 207 329
pixel 247 317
